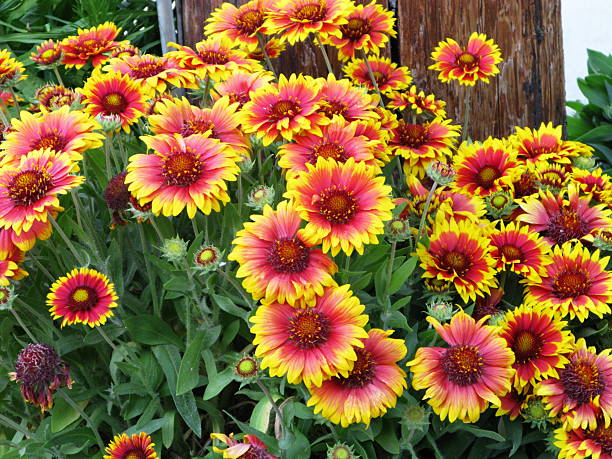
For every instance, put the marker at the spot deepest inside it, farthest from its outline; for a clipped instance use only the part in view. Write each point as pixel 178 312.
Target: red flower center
pixel 333 107
pixel 511 252
pixel 582 381
pixel 51 140
pixel 527 346
pixel 146 70
pixel 328 150
pixel 308 329
pixel 182 168
pixel 283 109
pixel 311 12
pixel 249 21
pixel 601 436
pixel 525 186
pixel 82 298
pixel 412 135
pixel 565 226
pixel 467 60
pixel 487 175
pixel 29 186
pixel 380 78
pixel 87 47
pixel 242 97
pixel 198 126
pixel 212 57
pixel 462 365
pixel 289 256
pixel 457 261
pixel 571 284
pixel 356 28
pixel 541 147
pixel 363 371
pixel 134 454
pixel 337 206
pixel 552 178
pixel 114 102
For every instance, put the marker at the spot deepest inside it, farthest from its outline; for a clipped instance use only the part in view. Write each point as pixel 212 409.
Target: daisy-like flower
pixel 560 220
pixel 9 268
pixel 284 109
pixel 40 372
pixel 276 262
pixel 11 70
pixel 579 443
pixel 459 253
pixel 545 143
pixel 124 50
pixel 368 28
pixel 274 47
pixel 370 388
pixel 92 44
pixel 418 102
pixel 240 24
pixel 82 296
pixel 114 94
pixel 595 183
pixel 221 122
pixel 215 58
pixel 338 141
pixel 477 61
pixel 53 97
pixel 182 173
pixel 11 241
pixel 422 144
pixel 153 71
pixel 30 188
pixel 517 249
pixel 138 446
pixel 387 74
pixel 583 390
pixel 249 447
pixel 513 403
pixel 47 53
pixel 239 85
pixel 345 205
pixel 462 379
pixel 340 97
pixel 538 341
pixel 294 20
pixel 310 344
pixel 377 137
pixel 484 168
pixel 575 283
pixel 549 176
pixel 61 131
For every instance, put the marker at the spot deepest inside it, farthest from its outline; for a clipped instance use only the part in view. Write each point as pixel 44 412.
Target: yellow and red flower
pixel 9 268
pixel 239 24
pixel 484 168
pixel 215 58
pixel 239 84
pixel 138 446
pixel 114 94
pixel 124 50
pixel 314 343
pixel 583 390
pixel 370 388
pixel 579 443
pixel 337 140
pixel 340 97
pixel 418 102
pixel 459 253
pixel 368 28
pixel 274 47
pixel 595 184
pixel 422 144
pixel 539 343
pixel 560 220
pixel 11 70
pixel 549 176
pixel 519 250
pixel 513 403
pixel 11 241
pixel 55 96
pixel 387 74
pixel 477 61
pixel 182 173
pixel 82 296
pixel 47 53
pixel 462 379
pixel 294 20
pixel 30 188
pixel 345 205
pixel 249 447
pixel 276 262
pixel 62 131
pixel 153 71
pixel 282 110
pixel 92 44
pixel 545 143
pixel 575 283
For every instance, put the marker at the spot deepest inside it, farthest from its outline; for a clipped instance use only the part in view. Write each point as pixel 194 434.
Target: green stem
pixel 424 216
pixel 76 207
pixel 87 419
pixel 194 225
pixel 12 91
pixel 390 268
pixel 107 156
pixel 40 266
pixel 373 79
pixel 152 289
pixel 158 231
pixel 39 316
pixel 13 425
pixel 3 110
pixel 205 92
pixel 277 410
pixel 466 114
pixel 262 45
pixel 22 325
pixel 317 40
pixel 71 247
pixel 236 286
pixel 57 75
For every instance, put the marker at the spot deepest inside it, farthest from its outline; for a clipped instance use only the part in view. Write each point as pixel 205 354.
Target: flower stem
pixel 236 286
pixel 71 246
pixel 277 410
pixel 206 92
pixel 57 75
pixel 262 45
pixel 424 216
pixel 107 156
pixel 158 231
pixel 373 79
pixel 39 316
pixel 466 114
pixel 317 40
pixel 13 425
pixel 12 91
pixel 76 207
pixel 22 325
pixel 390 268
pixel 156 306
pixel 87 419
pixel 3 116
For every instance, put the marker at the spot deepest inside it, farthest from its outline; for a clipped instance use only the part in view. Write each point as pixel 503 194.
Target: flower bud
pixel 246 367
pixel 398 229
pixel 584 162
pixel 260 196
pixel 207 259
pixel 174 249
pixel 109 123
pixel 499 204
pixel 415 417
pixel 441 173
pixel 340 451
pixel 440 308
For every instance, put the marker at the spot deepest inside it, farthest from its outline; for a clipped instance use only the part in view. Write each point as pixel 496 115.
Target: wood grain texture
pixel 529 90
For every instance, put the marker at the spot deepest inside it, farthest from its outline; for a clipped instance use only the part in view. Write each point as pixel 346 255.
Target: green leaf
pixel 244 427
pixel 477 432
pixel 601 133
pixel 260 417
pixel 168 429
pixel 599 62
pixel 227 305
pixel 151 330
pixel 400 276
pixel 189 371
pixel 388 439
pixel 299 446
pixel 62 415
pixel 218 382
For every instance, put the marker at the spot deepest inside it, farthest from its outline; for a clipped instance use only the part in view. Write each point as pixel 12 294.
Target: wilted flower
pixel 117 198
